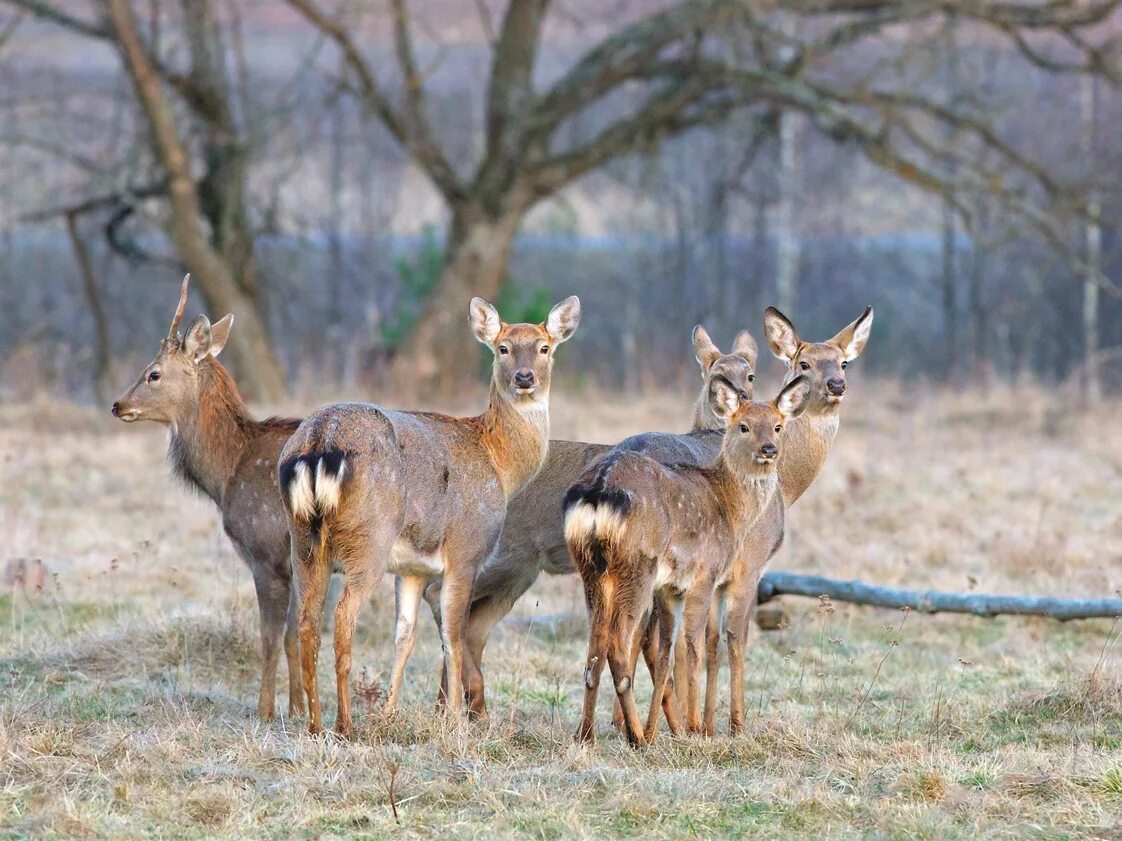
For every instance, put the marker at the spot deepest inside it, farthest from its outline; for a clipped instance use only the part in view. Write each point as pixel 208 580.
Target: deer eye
pixel 778 427
pixel 751 378
pixel 503 350
pixel 844 364
pixel 153 376
pixel 805 366
pixel 743 427
pixel 544 351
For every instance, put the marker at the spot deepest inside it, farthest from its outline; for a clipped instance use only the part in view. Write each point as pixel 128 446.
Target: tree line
pixel 745 134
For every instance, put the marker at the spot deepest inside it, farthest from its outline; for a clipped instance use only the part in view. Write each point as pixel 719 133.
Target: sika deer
pixel 428 493
pixel 216 448
pixel 533 539
pixel 808 441
pixel 639 530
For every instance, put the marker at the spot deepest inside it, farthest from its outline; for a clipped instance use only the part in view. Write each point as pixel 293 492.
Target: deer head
pixel 755 430
pixel 523 352
pixel 168 387
pixel 823 363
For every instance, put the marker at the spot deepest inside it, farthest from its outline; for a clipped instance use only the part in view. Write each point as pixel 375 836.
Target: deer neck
pixel 704 418
pixel 516 436
pixel 806 445
pixel 206 442
pixel 743 497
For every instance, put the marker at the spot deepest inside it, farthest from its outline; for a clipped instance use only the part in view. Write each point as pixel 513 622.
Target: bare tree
pixel 209 222
pixel 667 71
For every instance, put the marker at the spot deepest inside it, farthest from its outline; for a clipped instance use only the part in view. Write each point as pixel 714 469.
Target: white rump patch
pixel 301 497
pixel 329 488
pixel 584 520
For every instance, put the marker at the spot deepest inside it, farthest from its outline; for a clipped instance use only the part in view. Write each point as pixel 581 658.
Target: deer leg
pixel 695 618
pixel 620 647
pixel 484 616
pixel 598 634
pixel 432 593
pixel 680 677
pixel 310 574
pixel 292 653
pixel 409 589
pixel 359 585
pixel 647 645
pixel 455 602
pixel 737 632
pixel 669 610
pixel 718 615
pixel 272 605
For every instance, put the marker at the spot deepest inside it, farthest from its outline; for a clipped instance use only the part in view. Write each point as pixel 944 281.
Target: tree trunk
pixel 442 352
pixel 786 237
pixel 1092 380
pixel 254 361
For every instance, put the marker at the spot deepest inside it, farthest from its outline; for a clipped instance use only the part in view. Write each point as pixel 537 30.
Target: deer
pixel 533 538
pixel 808 440
pixel 648 537
pixel 423 495
pixel 217 449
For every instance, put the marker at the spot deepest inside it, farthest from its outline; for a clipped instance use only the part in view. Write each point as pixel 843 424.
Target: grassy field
pixel 129 682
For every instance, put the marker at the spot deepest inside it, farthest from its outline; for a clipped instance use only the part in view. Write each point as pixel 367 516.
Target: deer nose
pixel 116 410
pixel 836 386
pixel 523 378
pixel 769 451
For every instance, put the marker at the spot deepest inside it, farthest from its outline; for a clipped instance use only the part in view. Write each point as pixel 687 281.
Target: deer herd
pixel 669 533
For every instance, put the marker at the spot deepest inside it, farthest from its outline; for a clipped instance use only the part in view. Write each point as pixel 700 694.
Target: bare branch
pixel 427 154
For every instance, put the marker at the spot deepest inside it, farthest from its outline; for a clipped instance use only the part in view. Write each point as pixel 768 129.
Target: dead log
pixel 934 601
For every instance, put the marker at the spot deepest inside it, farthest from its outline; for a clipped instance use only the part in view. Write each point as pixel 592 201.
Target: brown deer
pixel 647 536
pixel 217 449
pixel 427 493
pixel 533 538
pixel 807 444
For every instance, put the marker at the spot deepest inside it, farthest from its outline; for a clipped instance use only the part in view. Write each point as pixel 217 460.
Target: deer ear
pixel 745 346
pixel 703 348
pixel 197 340
pixel 563 319
pixel 220 334
pixel 793 399
pixel 780 334
pixel 485 321
pixel 724 399
pixel 852 338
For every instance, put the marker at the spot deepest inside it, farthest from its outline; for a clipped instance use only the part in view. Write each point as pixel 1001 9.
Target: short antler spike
pixel 173 332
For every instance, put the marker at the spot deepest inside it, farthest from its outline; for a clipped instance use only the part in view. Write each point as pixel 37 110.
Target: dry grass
pixel 129 682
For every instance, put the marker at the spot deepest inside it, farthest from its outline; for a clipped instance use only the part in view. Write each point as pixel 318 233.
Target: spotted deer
pixel 216 448
pixel 420 494
pixel 808 440
pixel 533 538
pixel 647 536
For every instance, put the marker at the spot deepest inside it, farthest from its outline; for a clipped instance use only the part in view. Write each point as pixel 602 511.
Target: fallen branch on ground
pixel 933 601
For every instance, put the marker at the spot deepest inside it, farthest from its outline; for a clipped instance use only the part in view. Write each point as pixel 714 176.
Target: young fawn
pixel 427 492
pixel 807 444
pixel 216 448
pixel 533 538
pixel 649 536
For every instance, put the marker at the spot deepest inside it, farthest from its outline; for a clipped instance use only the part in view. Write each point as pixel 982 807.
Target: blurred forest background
pixel 344 176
